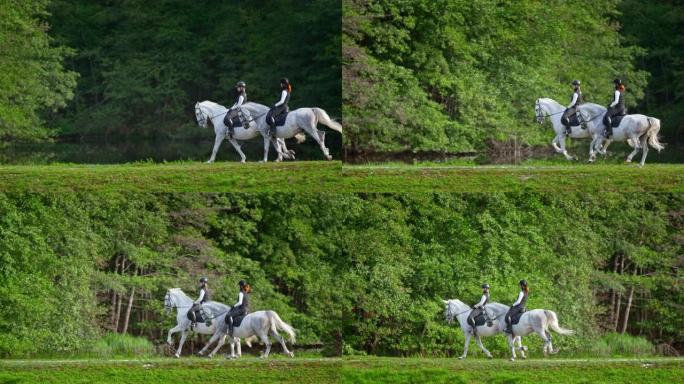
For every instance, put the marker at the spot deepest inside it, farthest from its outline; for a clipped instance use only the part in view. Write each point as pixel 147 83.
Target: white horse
pixel 176 298
pixel 298 121
pixel 456 309
pixel 545 107
pixel 261 324
pixel 210 111
pixel 639 131
pixel 538 321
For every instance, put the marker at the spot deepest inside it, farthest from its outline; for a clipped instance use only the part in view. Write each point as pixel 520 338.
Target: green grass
pixel 318 176
pixel 348 370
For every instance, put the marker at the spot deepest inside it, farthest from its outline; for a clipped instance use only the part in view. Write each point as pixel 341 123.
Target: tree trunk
pixel 613 295
pixel 128 310
pixel 112 310
pixel 619 299
pixel 118 305
pixel 629 305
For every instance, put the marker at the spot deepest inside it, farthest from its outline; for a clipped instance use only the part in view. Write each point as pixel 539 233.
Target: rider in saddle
pixel 240 95
pixel 572 108
pixel 518 307
pixel 281 106
pixel 201 299
pixel 241 307
pixel 479 308
pixel 616 108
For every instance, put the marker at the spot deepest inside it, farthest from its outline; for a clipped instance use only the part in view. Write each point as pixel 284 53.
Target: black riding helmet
pixel 617 82
pixel 284 81
pixel 241 84
pixel 203 279
pixel 576 83
pixel 485 286
pixel 242 283
pixel 523 283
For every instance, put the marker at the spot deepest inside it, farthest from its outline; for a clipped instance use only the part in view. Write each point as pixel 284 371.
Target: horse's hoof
pixel 243 161
pixel 291 152
pixel 329 157
pixel 523 357
pixel 490 357
pixel 524 348
pixel 461 357
pixel 209 162
pixel 291 354
pixel 512 359
pixel 177 356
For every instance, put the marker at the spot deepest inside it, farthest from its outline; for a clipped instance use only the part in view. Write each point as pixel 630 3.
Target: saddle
pixel 237 122
pixel 616 120
pixel 481 320
pixel 237 320
pixel 280 119
pixel 199 316
pixel 516 317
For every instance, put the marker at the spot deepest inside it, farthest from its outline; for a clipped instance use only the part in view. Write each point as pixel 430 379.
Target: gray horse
pixel 260 324
pixel 176 298
pixel 538 321
pixel 456 309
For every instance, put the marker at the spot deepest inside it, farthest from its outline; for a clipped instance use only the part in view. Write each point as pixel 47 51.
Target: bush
pixel 615 344
pixel 116 345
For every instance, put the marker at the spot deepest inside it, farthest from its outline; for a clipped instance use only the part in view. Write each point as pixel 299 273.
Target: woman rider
pixel 234 110
pixel 518 307
pixel 241 307
pixel 281 106
pixel 616 108
pixel 572 108
pixel 201 299
pixel 479 308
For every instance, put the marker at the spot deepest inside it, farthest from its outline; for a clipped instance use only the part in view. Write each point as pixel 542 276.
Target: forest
pixel 461 75
pixel 355 273
pixel 133 70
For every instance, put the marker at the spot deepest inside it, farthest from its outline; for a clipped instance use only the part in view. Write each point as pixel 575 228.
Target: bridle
pixel 539 113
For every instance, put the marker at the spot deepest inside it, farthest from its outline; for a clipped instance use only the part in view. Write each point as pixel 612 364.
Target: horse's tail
pixel 324 119
pixel 278 324
pixel 300 137
pixel 652 134
pixel 552 320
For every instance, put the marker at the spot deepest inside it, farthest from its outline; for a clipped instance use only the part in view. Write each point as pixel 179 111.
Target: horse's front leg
pixel 239 346
pixel 184 335
pixel 563 150
pixel 465 346
pixel 511 345
pixel 554 144
pixel 267 145
pixel 217 144
pixel 236 145
pixel 169 340
pixel 482 347
pixel 592 149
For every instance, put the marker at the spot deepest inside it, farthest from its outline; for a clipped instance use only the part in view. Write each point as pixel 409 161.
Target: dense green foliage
pixel 656 26
pixel 32 74
pixel 361 273
pixel 143 65
pixel 453 75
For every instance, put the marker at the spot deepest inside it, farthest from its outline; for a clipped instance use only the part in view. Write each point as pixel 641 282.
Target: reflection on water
pixel 617 153
pixel 112 153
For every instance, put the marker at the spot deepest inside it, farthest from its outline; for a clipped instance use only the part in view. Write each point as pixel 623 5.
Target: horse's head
pixel 200 115
pixel 539 112
pixel 453 308
pixel 169 301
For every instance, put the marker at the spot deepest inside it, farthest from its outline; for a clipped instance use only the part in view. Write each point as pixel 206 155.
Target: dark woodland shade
pixel 142 65
pixel 367 270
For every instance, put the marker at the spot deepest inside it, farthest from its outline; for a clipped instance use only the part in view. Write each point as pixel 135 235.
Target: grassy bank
pixel 316 176
pixel 351 370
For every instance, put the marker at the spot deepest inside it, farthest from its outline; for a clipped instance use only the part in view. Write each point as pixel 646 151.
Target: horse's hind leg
pixel 465 346
pixel 547 341
pixel 264 339
pixel 521 348
pixel 220 343
pixel 282 342
pixel 236 145
pixel 632 154
pixel 644 149
pixel 209 343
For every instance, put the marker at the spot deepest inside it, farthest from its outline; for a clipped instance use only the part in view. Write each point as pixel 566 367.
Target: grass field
pixel 318 176
pixel 348 370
